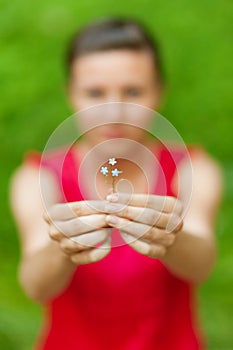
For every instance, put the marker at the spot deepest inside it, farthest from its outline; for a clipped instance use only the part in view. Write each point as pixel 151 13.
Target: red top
pixel 127 301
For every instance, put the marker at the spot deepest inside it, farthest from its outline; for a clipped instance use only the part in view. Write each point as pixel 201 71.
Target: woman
pixel 141 294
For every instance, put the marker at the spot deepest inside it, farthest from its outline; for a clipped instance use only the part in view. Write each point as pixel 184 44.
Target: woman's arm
pixel 189 250
pixel 47 265
pixel 193 253
pixel 44 269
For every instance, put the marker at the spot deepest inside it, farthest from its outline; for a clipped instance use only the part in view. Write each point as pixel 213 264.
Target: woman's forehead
pixel 113 63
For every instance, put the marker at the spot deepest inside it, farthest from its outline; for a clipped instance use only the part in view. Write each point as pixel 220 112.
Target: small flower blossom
pixel 104 170
pixel 108 170
pixel 112 161
pixel 116 172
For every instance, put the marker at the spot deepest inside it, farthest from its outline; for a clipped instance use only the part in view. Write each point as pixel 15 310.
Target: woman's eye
pixel 134 91
pixel 94 93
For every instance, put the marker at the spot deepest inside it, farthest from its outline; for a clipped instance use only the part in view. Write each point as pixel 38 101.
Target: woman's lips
pixel 112 133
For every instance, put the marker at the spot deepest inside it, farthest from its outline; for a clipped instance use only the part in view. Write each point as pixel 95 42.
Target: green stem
pixel 113 184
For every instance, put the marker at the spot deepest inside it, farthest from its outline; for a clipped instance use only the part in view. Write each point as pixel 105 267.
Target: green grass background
pixel 196 41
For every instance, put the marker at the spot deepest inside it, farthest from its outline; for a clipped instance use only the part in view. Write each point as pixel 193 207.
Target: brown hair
pixel 114 33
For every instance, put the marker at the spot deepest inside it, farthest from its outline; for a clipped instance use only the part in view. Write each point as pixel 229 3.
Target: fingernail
pixel 113 197
pixel 112 219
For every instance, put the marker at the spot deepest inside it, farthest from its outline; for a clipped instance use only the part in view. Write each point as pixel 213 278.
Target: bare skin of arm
pixel 194 252
pixel 48 257
pixel 191 251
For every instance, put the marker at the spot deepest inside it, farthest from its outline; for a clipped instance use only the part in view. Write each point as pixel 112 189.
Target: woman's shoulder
pixel 201 160
pixel 33 164
pixel 32 157
pixel 200 155
pixel 187 152
pixel 190 158
pixel 36 157
pixel 206 169
pixel 29 173
pixel 35 161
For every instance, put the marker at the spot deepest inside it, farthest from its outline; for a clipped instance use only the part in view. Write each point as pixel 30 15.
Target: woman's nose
pixel 115 97
pixel 113 112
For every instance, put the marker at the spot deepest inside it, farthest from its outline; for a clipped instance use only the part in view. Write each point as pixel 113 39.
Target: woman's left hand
pixel 148 223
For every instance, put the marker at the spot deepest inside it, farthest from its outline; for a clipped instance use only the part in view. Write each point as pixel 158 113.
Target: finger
pixel 139 231
pixel 68 246
pixel 146 216
pixel 166 204
pixel 92 238
pixel 93 254
pixel 46 217
pixel 157 236
pixel 82 224
pixel 55 234
pixel 142 215
pixel 67 211
pixel 151 250
pixel 84 242
pixel 175 224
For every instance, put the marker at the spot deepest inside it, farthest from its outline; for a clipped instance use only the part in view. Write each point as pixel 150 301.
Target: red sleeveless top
pixel 126 301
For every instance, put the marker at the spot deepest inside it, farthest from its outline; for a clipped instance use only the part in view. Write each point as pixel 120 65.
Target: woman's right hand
pixel 78 227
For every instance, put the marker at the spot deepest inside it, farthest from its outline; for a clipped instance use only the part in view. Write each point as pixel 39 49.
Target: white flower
pixel 104 170
pixel 112 161
pixel 116 172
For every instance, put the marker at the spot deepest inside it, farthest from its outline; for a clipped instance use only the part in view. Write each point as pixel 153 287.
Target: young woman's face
pixel 114 76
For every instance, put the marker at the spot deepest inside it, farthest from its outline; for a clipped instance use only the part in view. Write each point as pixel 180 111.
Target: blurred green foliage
pixel 196 42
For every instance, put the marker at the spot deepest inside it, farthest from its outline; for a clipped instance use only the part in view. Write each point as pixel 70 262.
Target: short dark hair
pixel 114 33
